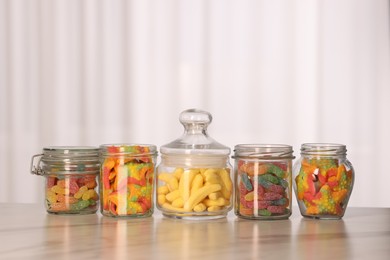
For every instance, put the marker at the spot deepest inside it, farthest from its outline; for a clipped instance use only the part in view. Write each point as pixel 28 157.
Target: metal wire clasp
pixel 35 168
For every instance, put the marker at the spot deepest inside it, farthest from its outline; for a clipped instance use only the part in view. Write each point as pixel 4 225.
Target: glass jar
pixel 71 178
pixel 263 173
pixel 324 180
pixel 194 179
pixel 127 176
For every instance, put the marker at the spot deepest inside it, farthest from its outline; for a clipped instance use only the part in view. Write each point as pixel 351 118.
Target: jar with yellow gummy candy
pixel 262 174
pixel 194 176
pixel 323 180
pixel 127 179
pixel 71 174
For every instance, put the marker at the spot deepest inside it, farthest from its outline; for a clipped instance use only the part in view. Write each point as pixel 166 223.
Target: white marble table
pixel 28 232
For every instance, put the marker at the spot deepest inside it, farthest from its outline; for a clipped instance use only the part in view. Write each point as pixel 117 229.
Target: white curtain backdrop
pixel 88 72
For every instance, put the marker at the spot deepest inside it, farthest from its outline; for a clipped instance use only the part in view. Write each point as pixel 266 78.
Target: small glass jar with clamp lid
pixel 194 176
pixel 71 174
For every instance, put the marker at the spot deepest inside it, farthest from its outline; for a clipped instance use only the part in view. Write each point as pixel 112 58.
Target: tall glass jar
pixel 194 179
pixel 70 178
pixel 262 173
pixel 127 177
pixel 323 180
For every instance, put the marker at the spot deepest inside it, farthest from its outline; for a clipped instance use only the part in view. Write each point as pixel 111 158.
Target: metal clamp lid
pixel 36 169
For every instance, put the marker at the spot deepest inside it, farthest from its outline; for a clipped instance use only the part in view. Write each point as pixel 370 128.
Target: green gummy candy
pixel 247 182
pixel 279 202
pixel 82 204
pixel 275 170
pixel 264 182
pixel 264 212
pixel 269 177
pixel 284 183
pixel 92 202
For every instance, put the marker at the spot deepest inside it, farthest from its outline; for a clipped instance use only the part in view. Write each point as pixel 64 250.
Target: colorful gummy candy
pixel 127 183
pixel 194 190
pixel 323 187
pixel 71 194
pixel 263 189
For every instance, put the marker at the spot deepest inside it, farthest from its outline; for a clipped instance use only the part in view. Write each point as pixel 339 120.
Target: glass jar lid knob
pixel 195 139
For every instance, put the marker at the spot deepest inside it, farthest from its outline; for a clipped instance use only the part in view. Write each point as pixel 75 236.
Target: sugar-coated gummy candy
pixel 276 170
pixel 270 196
pixel 264 212
pixel 323 186
pixel 66 194
pixel 127 184
pixel 276 209
pixel 247 183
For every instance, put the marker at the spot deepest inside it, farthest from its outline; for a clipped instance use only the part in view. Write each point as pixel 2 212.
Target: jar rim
pixel 54 153
pixel 264 151
pixel 127 149
pixel 323 148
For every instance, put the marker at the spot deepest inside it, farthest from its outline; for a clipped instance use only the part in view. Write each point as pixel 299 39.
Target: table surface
pixel 28 232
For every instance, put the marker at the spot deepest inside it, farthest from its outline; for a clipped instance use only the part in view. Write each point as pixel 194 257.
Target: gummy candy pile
pixel 127 183
pixel 71 194
pixel 195 190
pixel 263 189
pixel 323 187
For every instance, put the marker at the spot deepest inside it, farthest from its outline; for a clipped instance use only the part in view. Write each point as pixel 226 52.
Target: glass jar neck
pixel 323 149
pixel 195 160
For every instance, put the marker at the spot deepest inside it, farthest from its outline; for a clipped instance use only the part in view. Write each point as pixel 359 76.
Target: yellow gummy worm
pixel 80 192
pixel 161 199
pixel 225 177
pixel 197 183
pixel 214 195
pixel 178 203
pixel 213 208
pixel 165 177
pixel 88 194
pixel 173 184
pixel 250 196
pixel 199 195
pixel 109 163
pixel 208 173
pixel 185 184
pixel 172 195
pixel 200 207
pixel 226 183
pixel 172 208
pixel 163 190
pixel 218 202
pixel 178 172
pixel 213 178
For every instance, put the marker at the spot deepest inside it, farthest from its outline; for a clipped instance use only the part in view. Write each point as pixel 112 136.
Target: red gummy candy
pixel 271 196
pixel 51 181
pixel 243 190
pixel 263 204
pixel 276 188
pixel 276 209
pixel 73 187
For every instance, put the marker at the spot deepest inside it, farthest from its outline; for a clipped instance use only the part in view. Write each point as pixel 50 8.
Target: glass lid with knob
pixel 195 139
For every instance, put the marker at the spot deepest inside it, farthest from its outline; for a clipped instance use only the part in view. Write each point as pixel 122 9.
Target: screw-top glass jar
pixel 127 179
pixel 71 178
pixel 262 173
pixel 194 174
pixel 323 180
